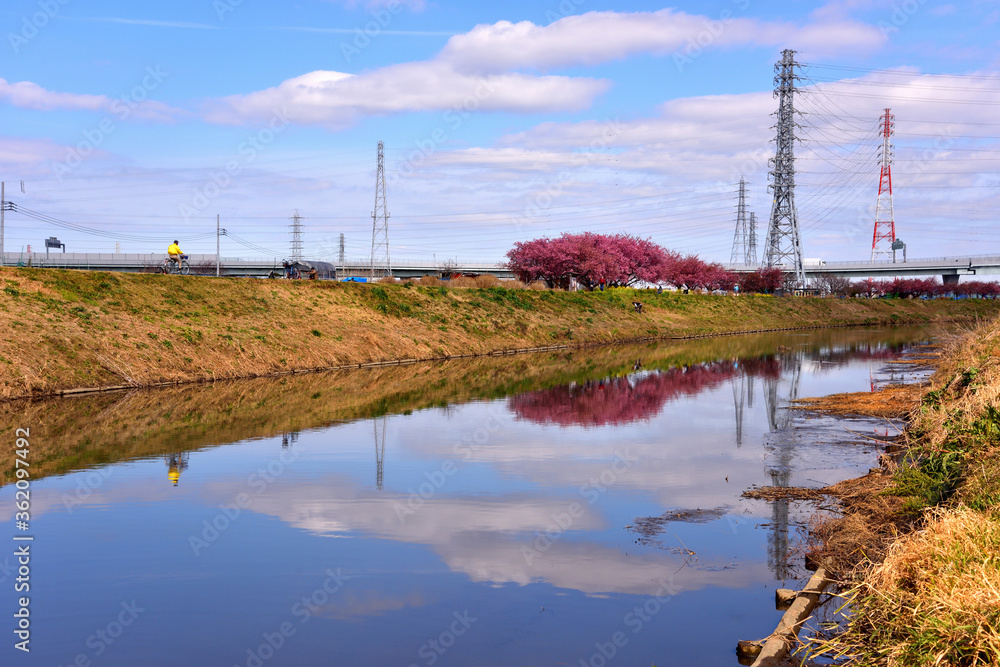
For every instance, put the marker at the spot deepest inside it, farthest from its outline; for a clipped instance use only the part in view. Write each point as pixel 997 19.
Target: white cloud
pixel 29 95
pixel 336 99
pixel 478 70
pixel 28 156
pixel 840 9
pixel 598 37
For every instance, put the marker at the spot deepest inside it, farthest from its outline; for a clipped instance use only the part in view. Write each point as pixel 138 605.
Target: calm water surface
pixel 572 509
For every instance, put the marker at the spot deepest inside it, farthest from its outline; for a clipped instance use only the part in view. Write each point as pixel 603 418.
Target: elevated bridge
pixel 240 266
pixel 949 268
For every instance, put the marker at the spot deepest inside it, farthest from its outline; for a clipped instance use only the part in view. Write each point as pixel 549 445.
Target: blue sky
pixel 501 122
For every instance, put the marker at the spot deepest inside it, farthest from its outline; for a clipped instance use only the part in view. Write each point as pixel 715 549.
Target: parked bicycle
pixel 181 266
pixel 289 271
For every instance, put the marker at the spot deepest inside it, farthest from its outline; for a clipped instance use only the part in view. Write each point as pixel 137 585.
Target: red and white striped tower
pixel 885 225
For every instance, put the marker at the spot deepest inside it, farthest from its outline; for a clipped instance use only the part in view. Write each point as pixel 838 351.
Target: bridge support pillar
pixel 950 279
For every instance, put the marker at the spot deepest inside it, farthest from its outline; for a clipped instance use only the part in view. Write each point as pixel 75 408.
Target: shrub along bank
pixel 69 329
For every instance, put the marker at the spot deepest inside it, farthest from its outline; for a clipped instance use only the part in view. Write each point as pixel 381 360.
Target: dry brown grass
pixel 929 596
pixel 933 600
pixel 482 282
pixel 964 387
pixel 486 281
pixel 893 401
pixel 463 282
pixel 772 493
pixel 870 521
pixel 68 329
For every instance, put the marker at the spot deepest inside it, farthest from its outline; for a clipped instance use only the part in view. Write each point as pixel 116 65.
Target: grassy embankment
pixel 69 329
pixel 78 432
pixel 923 536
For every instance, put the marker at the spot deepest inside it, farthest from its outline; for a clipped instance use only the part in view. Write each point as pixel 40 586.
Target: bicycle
pixel 288 271
pixel 181 266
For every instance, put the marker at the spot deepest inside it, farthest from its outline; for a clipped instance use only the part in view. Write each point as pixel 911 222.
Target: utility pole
pixel 3 207
pixel 296 237
pixel 380 266
pixel 884 237
pixel 784 243
pixel 218 266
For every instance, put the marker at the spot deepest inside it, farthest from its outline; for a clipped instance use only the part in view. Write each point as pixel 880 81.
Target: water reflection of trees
pixel 104 428
pixel 633 397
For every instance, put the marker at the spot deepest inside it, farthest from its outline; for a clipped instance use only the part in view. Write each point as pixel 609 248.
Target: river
pixel 573 508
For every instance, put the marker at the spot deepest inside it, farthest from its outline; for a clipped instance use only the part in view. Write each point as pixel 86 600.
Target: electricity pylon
pixel 379 450
pixel 784 243
pixel 885 224
pixel 380 266
pixel 741 240
pixel 296 237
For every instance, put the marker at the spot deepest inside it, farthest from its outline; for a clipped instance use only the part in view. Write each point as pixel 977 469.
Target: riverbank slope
pixel 919 541
pixel 70 329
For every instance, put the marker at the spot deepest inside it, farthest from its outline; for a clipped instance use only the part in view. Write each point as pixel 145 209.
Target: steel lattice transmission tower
pixel 380 266
pixel 745 239
pixel 784 243
pixel 885 225
pixel 379 451
pixel 296 237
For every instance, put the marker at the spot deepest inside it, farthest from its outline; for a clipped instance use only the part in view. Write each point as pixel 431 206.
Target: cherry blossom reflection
pixel 633 397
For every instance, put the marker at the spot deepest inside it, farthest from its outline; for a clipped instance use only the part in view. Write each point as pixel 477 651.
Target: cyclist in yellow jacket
pixel 175 253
